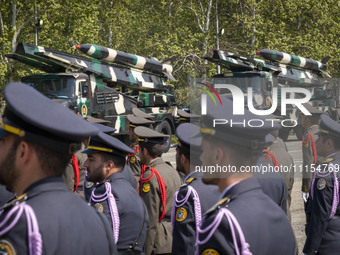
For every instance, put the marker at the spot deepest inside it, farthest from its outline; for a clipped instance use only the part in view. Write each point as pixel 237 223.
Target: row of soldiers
pixel 148 206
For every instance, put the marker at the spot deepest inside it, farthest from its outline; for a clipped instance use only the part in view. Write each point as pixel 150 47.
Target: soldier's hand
pixel 305 196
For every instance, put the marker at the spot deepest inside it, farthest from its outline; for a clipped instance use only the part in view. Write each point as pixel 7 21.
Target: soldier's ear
pixel 219 155
pixel 182 158
pixel 24 152
pixel 110 164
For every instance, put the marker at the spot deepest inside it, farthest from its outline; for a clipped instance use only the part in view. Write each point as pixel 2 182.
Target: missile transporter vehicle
pixel 278 70
pixel 103 89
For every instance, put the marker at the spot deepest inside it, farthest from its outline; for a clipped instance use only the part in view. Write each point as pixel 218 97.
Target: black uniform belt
pixel 128 252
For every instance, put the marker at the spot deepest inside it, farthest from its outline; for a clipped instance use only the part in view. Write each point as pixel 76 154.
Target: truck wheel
pixel 164 128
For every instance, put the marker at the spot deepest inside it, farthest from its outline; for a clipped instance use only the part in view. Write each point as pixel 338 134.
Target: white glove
pixel 305 196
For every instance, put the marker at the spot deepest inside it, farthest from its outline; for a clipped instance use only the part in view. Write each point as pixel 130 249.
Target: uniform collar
pixel 47 183
pixel 115 176
pixel 335 155
pixel 227 189
pixel 156 161
pixel 238 188
pixel 313 129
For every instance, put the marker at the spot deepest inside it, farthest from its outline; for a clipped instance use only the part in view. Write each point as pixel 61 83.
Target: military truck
pixel 101 89
pixel 278 70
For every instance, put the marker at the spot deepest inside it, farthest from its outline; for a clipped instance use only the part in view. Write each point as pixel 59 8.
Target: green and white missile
pixel 293 60
pixel 124 58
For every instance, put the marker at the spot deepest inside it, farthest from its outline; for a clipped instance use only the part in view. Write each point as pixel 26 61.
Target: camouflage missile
pixel 124 58
pixel 289 59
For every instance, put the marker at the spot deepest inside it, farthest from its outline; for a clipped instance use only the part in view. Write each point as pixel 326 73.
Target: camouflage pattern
pixel 286 58
pixel 99 89
pixel 276 72
pixel 124 58
pixel 53 61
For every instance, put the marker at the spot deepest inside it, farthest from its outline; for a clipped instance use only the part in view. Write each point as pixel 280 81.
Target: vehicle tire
pixel 164 128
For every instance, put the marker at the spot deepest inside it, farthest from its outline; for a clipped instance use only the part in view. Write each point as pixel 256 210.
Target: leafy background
pixel 182 29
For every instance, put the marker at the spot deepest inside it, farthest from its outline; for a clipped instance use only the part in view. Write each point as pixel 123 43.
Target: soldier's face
pixel 8 172
pixel 322 146
pixel 304 121
pixel 95 168
pixel 142 155
pixel 132 135
pixel 208 159
pixel 179 166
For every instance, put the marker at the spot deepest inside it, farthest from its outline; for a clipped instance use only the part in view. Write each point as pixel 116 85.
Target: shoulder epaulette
pixel 328 160
pixel 219 204
pixel 15 201
pixel 190 180
pixel 187 182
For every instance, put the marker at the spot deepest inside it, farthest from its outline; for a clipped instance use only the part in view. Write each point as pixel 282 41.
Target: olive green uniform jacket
pixel 69 174
pixel 133 161
pixel 308 158
pixel 159 235
pixel 285 160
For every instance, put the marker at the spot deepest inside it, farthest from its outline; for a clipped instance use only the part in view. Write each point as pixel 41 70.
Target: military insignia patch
pixel 146 187
pixel 181 214
pixel 321 184
pixel 88 184
pixel 7 247
pixel 99 207
pixel 209 252
pixel 133 159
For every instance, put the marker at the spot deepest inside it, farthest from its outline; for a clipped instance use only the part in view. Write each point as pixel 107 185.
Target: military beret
pixel 312 110
pixel 248 130
pixel 30 114
pixel 138 121
pixel 96 120
pixel 109 144
pixel 329 126
pixel 148 135
pixel 185 116
pixel 139 113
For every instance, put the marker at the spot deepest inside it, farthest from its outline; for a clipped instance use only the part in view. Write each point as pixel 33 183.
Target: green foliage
pixel 163 29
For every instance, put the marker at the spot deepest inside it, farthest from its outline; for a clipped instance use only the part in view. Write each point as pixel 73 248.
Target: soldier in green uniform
pixel 75 170
pixel 158 184
pixel 133 160
pixel 277 155
pixel 309 153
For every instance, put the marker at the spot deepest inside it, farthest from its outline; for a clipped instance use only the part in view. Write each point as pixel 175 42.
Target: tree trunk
pixel 14 25
pixel 253 30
